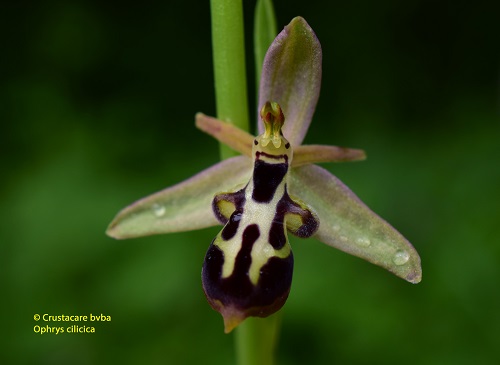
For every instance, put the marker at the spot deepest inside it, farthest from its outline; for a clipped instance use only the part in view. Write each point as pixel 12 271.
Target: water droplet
pixel 401 257
pixel 158 210
pixel 363 242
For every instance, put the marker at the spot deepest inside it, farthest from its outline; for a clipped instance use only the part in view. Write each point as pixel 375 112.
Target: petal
pixel 348 224
pixel 232 136
pixel 309 154
pixel 183 207
pixel 291 76
pixel 242 142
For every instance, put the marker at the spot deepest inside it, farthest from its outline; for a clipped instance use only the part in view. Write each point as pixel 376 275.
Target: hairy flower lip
pixel 234 312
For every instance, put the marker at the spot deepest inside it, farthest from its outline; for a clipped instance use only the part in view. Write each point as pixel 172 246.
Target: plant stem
pixel 265 31
pixel 255 337
pixel 256 340
pixel 229 65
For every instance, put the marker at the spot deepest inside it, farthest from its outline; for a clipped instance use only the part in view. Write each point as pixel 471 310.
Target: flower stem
pixel 256 340
pixel 229 65
pixel 255 337
pixel 265 30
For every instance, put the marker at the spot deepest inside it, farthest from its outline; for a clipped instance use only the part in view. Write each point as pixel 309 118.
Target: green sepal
pixel 291 77
pixel 347 224
pixel 183 207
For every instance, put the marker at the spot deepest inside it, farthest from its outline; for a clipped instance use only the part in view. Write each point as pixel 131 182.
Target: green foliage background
pixel 97 102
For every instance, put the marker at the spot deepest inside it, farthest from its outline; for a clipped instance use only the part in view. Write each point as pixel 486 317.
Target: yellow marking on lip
pixel 230 249
pixel 262 254
pixel 293 221
pixel 226 208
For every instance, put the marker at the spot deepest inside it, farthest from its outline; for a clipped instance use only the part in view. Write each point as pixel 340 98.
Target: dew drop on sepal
pixel 401 257
pixel 158 210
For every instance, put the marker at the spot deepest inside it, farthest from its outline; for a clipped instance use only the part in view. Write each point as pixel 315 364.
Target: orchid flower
pixel 316 201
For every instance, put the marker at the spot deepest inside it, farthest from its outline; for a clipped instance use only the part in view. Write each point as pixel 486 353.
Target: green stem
pixel 229 65
pixel 256 337
pixel 265 31
pixel 256 340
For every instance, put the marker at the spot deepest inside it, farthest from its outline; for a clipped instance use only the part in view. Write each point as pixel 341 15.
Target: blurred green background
pixel 96 101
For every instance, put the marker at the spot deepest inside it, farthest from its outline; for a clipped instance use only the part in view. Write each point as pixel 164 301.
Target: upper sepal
pixel 348 224
pixel 291 76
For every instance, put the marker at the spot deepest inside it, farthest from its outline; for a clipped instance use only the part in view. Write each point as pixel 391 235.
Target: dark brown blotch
pixel 266 179
pixel 236 293
pixel 231 226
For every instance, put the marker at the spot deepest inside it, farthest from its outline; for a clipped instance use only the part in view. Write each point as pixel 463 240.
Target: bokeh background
pixel 97 103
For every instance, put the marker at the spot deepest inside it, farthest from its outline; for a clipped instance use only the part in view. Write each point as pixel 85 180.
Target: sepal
pixel 291 76
pixel 182 207
pixel 347 224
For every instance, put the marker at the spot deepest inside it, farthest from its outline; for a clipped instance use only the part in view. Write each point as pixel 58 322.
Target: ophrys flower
pixel 291 79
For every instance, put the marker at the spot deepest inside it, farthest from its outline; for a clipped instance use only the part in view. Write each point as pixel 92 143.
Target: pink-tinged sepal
pixel 291 76
pixel 347 224
pixel 182 207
